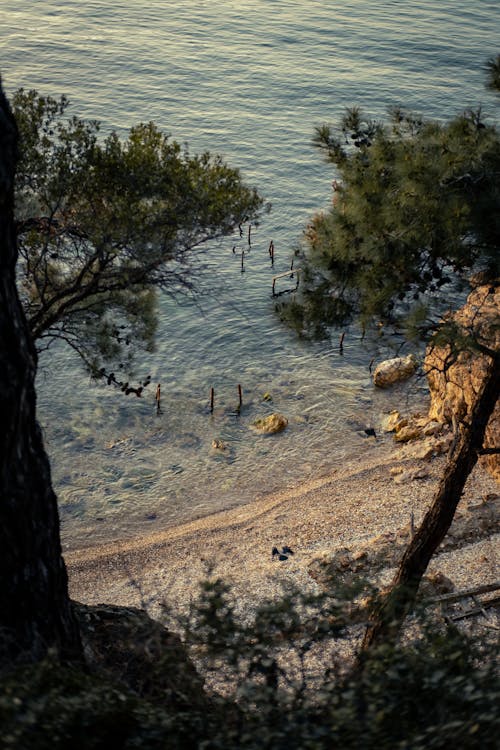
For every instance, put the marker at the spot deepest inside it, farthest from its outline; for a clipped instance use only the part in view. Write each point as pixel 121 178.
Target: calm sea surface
pixel 249 80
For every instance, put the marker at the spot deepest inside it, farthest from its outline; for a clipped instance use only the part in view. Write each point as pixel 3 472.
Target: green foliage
pixel 49 707
pixel 429 694
pixel 103 223
pixel 415 208
pixel 250 648
pixel 493 73
pixel 281 682
pixel 283 668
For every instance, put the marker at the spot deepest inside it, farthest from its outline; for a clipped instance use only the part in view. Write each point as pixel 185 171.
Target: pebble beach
pixel 355 503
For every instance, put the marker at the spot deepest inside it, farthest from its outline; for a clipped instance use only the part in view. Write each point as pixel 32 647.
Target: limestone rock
pixel 425 449
pixel 432 428
pixel 410 476
pixel 423 438
pixel 394 370
pixel 270 424
pixel 455 381
pixel 407 433
pixel 394 422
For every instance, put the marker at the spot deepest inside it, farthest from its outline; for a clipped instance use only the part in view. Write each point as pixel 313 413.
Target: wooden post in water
pixel 212 397
pixel 242 261
pixel 271 252
pixel 341 343
pixel 158 399
pixel 249 234
pixel 240 397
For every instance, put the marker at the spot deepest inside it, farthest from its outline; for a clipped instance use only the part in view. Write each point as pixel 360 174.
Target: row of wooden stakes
pixel 212 398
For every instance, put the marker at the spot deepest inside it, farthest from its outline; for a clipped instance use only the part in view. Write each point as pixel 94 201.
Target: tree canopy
pixel 103 223
pixel 415 206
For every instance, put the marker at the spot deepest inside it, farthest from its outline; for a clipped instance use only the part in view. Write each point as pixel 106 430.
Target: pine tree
pixel 416 208
pixel 103 224
pixel 35 611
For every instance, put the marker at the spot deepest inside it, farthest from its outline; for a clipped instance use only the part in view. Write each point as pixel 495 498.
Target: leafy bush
pixel 274 679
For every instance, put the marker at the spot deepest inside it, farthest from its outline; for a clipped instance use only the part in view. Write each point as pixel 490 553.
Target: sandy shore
pixel 353 504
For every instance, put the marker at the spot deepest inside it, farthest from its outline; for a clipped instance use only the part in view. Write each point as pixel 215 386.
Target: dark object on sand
pixel 283 555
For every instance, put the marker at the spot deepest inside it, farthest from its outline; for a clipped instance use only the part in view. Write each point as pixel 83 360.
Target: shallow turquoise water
pixel 249 80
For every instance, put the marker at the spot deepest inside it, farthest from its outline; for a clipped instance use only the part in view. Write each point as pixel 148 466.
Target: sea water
pixel 249 80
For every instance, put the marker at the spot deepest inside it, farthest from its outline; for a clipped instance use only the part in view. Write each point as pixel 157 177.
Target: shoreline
pixel 347 506
pixel 218 520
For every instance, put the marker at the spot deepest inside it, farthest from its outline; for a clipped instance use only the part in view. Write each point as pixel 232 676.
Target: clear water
pixel 249 80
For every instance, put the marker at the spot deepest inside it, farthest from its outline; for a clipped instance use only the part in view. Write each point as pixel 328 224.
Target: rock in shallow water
pixel 270 424
pixel 394 370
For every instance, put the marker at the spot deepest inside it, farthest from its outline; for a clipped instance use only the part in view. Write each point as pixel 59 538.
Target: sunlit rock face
pixel 456 379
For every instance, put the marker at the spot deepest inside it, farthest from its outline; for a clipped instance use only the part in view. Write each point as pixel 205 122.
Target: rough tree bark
pixel 35 610
pixel 389 612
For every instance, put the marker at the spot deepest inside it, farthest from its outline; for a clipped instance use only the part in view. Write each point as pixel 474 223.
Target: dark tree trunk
pixel 390 611
pixel 35 611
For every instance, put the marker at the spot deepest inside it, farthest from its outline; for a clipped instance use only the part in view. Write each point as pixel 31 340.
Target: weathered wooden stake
pixel 240 396
pixel 212 396
pixel 242 261
pixel 158 399
pixel 271 252
pixel 249 234
pixel 341 343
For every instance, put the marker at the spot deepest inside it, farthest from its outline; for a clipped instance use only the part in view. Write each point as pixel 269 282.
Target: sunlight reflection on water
pixel 249 80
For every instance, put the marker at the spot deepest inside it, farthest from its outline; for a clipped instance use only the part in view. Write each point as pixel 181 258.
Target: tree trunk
pixel 35 610
pixel 389 612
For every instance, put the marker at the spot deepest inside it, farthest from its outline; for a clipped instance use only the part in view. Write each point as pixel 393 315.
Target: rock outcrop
pixel 456 378
pixel 420 436
pixel 125 644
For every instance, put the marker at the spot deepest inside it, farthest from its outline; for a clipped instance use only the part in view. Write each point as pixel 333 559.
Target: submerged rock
pixel 219 445
pixel 270 424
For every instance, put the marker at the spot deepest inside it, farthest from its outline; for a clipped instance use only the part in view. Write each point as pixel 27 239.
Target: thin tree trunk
pixel 389 612
pixel 35 610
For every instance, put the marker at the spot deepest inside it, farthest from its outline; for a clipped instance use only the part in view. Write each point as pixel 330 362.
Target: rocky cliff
pixel 455 376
